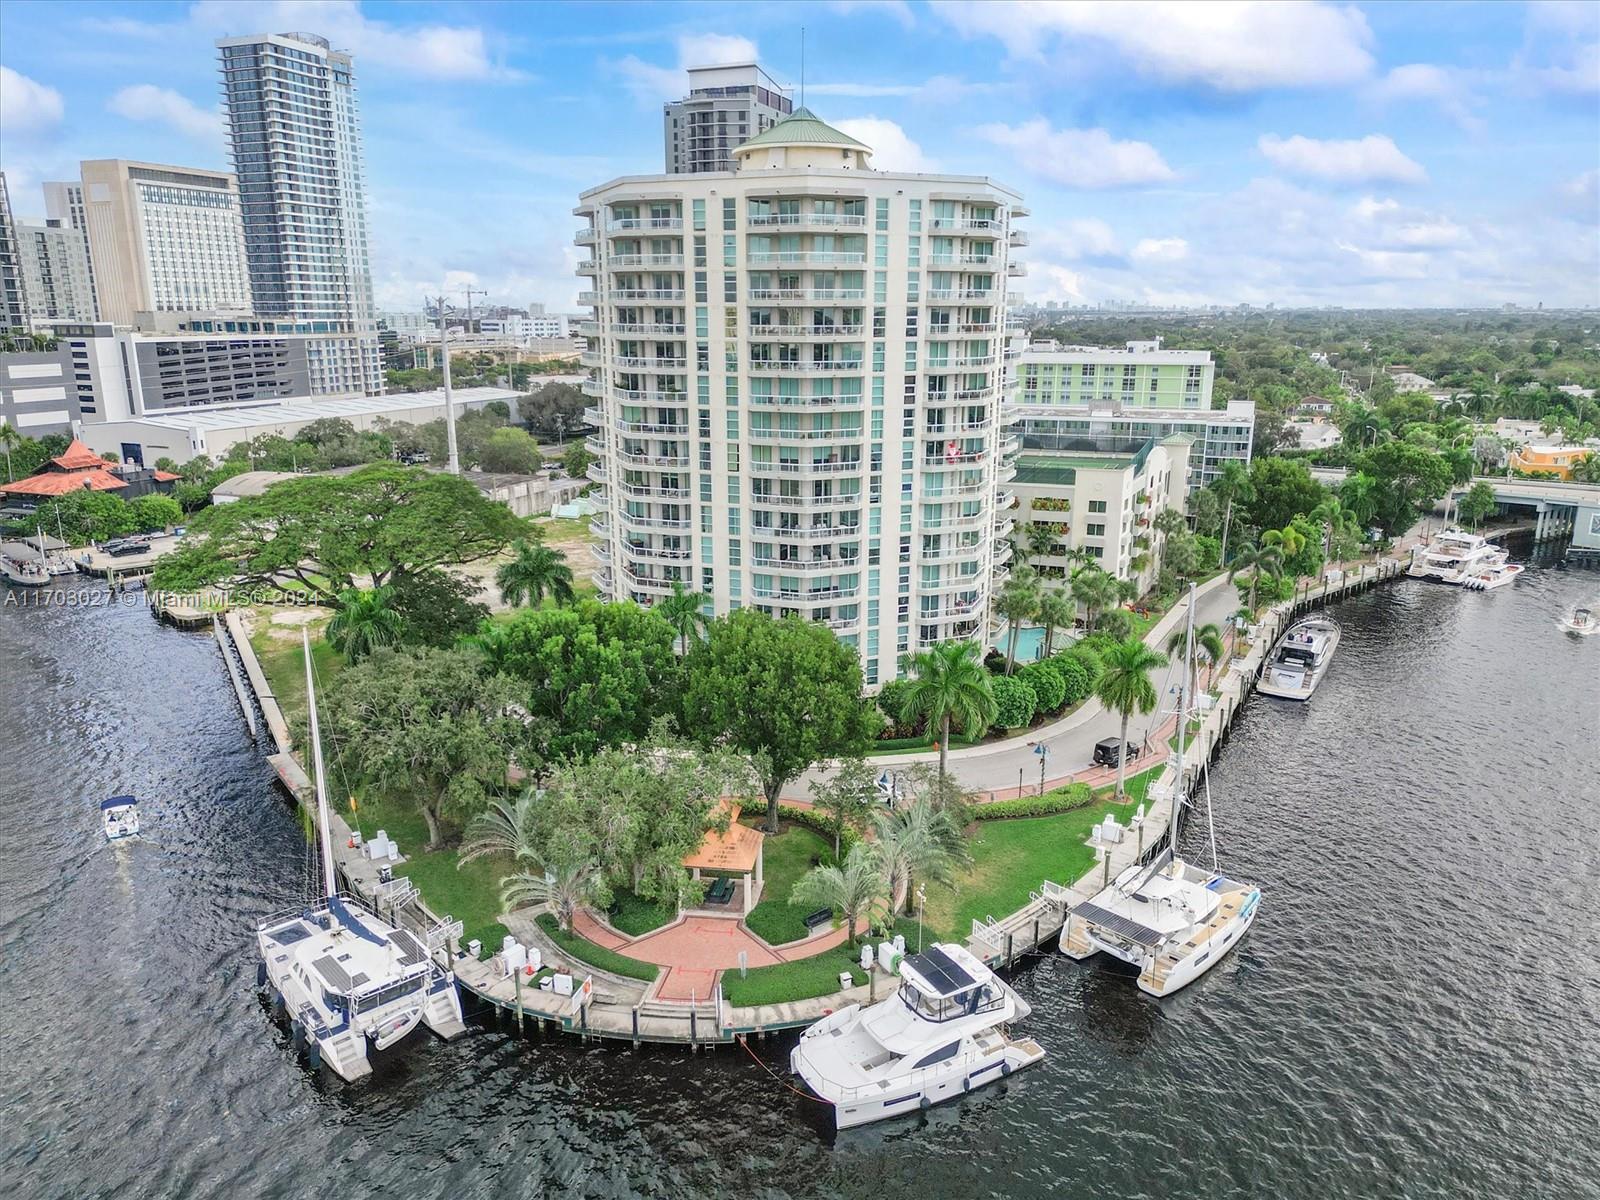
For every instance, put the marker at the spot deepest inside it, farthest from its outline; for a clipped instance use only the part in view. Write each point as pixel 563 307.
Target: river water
pixel 1416 1012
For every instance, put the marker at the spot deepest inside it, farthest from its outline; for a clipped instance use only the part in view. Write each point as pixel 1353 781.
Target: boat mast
pixel 330 886
pixel 1184 701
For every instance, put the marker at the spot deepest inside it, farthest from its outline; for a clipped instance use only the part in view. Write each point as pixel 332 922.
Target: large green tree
pixel 324 535
pixel 589 675
pixel 1283 490
pixel 786 692
pixel 427 726
pixel 1409 478
pixel 847 796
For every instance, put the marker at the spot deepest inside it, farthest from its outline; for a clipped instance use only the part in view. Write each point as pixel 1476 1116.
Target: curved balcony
pixel 625 330
pixel 603 580
pixel 966 225
pixel 597 471
pixel 1004 500
pixel 810 533
pixel 596 446
pixel 587 236
pixel 638 396
pixel 587 267
pixel 1016 269
pixel 966 583
pixel 961 296
pixel 807 435
pixel 647 295
pixel 777 401
pixel 655 553
pixel 962 260
pixel 805 566
pixel 1003 552
pixel 806 258
pixel 972 362
pixel 1007 472
pixel 633 262
pixel 950 524
pixel 780 333
pixel 592 387
pixel 648 428
pixel 648 584
pixel 807 468
pixel 600 525
pixel 968 395
pixel 669 366
pixel 630 521
pixel 633 224
pixel 957 491
pixel 806 220
pixel 782 296
pixel 654 462
pixel 963 460
pixel 848 366
pixel 590 358
pixel 948 554
pixel 777 500
pixel 589 299
pixel 1003 526
pixel 1017 237
pixel 594 415
pixel 817 596
pixel 641 491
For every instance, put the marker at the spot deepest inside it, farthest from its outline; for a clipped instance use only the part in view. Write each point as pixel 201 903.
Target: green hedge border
pixel 582 949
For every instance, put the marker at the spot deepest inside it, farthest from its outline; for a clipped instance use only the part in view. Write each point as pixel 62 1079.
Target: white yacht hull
pixel 1288 684
pixel 1189 969
pixel 116 831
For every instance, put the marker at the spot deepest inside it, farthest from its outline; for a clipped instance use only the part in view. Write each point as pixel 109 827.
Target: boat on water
pixel 23 572
pixel 351 983
pixel 120 815
pixel 1496 575
pixel 940 1036
pixel 1454 556
pixel 1300 659
pixel 1171 919
pixel 1581 621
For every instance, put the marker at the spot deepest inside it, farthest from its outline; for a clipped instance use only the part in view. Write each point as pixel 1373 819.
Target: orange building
pixel 1558 460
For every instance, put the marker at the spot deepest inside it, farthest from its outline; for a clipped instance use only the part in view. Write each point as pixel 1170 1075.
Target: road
pixel 1071 740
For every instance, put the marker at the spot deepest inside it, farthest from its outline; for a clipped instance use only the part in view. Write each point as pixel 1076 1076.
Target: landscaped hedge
pixel 1014 702
pixel 817 821
pixel 1049 688
pixel 1062 799
pixel 584 950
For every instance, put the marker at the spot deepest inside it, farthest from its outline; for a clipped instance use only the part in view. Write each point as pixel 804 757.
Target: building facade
pixel 13 297
pixel 295 137
pixel 161 238
pixel 725 106
pixel 1073 397
pixel 63 201
pixel 798 373
pixel 1102 503
pixel 37 395
pixel 54 261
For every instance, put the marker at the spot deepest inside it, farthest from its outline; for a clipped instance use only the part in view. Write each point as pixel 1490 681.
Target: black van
pixel 1106 752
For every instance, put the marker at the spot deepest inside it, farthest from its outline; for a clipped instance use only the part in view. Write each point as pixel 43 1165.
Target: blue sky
pixel 1381 154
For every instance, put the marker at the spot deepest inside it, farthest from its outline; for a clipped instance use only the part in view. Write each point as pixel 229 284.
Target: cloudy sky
pixel 1317 153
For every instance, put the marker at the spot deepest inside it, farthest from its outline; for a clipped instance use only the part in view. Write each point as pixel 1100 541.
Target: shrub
pixel 1049 688
pixel 1116 623
pixel 1062 799
pixel 1015 701
pixel 584 950
pixel 817 821
pixel 994 662
pixel 1078 672
pixel 891 700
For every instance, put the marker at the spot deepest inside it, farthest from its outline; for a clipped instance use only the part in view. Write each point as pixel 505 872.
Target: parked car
pixel 1108 752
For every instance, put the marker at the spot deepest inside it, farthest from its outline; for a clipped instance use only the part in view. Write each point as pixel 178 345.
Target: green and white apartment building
pixel 798 369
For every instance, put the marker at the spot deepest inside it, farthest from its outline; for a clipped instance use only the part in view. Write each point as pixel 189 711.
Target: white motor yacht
pixel 347 979
pixel 1300 659
pixel 23 572
pixel 1454 556
pixel 938 1037
pixel 1171 919
pixel 120 815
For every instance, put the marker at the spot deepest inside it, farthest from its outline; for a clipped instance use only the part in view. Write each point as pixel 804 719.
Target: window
pixel 1097 506
pixel 1095 530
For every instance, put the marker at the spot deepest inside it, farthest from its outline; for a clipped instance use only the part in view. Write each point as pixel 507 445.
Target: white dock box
pixel 563 985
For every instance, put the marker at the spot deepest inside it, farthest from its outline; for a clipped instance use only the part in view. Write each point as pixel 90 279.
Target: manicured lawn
pixel 816 976
pixel 636 917
pixel 1011 859
pixel 470 894
pixel 584 950
pixel 1134 786
pixel 787 856
pixel 564 529
pixel 284 664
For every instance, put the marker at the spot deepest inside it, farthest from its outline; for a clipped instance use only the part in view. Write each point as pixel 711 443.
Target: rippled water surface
pixel 1416 1012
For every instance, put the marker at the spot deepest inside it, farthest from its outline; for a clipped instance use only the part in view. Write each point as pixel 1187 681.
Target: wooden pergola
pixel 737 851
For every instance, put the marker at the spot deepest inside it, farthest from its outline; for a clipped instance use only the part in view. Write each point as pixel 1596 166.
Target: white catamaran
pixel 346 978
pixel 1171 919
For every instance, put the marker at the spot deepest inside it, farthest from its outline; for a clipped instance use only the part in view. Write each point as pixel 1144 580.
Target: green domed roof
pixel 802 127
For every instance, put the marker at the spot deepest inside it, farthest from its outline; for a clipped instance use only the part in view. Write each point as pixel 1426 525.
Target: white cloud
pixel 1080 158
pixel 427 51
pixel 1369 207
pixel 899 10
pixel 1444 87
pixel 1372 159
pixel 146 102
pixel 27 106
pixel 652 84
pixel 1076 238
pixel 1168 249
pixel 1229 45
pixel 892 149
pixel 1581 194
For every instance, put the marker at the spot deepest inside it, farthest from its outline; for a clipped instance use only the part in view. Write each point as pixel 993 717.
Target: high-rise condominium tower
pixel 799 368
pixel 13 299
pixel 54 261
pixel 725 106
pixel 296 143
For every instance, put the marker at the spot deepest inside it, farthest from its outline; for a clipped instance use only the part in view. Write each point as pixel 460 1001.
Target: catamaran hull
pixel 848 1114
pixel 1191 969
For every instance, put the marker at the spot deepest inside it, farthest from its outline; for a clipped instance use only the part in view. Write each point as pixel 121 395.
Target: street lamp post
pixel 1043 751
pixel 922 900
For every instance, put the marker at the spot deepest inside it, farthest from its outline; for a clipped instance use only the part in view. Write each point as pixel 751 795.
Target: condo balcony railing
pixel 839 366
pixel 646 583
pixel 636 330
pixel 650 427
pixel 1018 237
pixel 968 395
pixel 952 553
pixel 600 525
pixel 1004 524
pixel 779 401
pixel 1004 499
pixel 963 583
pixel 646 491
pixel 961 295
pixel 957 460
pixel 634 522
pixel 592 387
pixel 782 296
pixel 654 295
pixel 588 328
pixel 786 500
pixel 962 521
pixel 632 262
pixel 597 472
pixel 590 358
pixel 971 362
pixel 948 427
pixel 589 298
pixel 808 533
pixel 808 467
pixel 586 237
pixel 807 435
pixel 651 363
pixel 587 267
pixel 1016 269
pixel 806 258
pixel 656 553
pixel 812 596
pixel 805 566
pixel 628 224
pixel 961 260
pixel 806 220
pixel 653 461
pixel 953 491
pixel 966 225
pixel 784 332
pixel 641 396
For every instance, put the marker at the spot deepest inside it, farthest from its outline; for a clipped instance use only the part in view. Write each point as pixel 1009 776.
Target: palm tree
pixel 917 841
pixel 1097 589
pixel 1040 539
pixel 493 641
pixel 10 439
pixel 1289 540
pixel 853 887
pixel 502 829
pixel 1017 602
pixel 1266 560
pixel 951 689
pixel 682 611
pixel 1124 686
pixel 1334 516
pixel 365 622
pixel 1057 609
pixel 1233 484
pixel 535 570
pixel 563 889
pixel 1207 643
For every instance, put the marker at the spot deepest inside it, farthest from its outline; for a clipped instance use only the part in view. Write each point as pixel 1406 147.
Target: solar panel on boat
pixel 290 934
pixel 333 973
pixel 410 949
pixel 1141 935
pixel 940 970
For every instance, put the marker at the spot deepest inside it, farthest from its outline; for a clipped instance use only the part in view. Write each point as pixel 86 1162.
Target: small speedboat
pixel 121 817
pixel 23 572
pixel 1580 621
pixel 1497 574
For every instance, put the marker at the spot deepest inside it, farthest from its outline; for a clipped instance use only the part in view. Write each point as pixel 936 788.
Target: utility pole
pixel 454 464
pixel 470 293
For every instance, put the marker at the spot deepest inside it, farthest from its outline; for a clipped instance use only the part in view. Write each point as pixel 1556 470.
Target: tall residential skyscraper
pixel 161 238
pixel 296 143
pixel 54 260
pixel 13 299
pixel 799 368
pixel 725 105
pixel 63 201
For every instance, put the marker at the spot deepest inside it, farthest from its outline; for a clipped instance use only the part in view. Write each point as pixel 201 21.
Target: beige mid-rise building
pixel 798 368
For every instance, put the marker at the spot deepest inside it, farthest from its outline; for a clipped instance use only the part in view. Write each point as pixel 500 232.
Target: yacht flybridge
pixel 1171 919
pixel 1454 556
pixel 1300 659
pixel 938 1037
pixel 347 979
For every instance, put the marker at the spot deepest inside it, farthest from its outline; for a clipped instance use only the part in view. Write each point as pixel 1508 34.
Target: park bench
pixel 821 917
pixel 720 891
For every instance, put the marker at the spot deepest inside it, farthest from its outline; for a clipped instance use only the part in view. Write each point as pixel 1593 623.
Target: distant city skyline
pixel 1311 154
